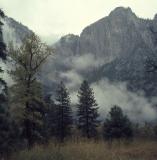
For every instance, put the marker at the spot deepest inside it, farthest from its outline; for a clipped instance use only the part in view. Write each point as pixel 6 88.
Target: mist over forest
pixel 96 88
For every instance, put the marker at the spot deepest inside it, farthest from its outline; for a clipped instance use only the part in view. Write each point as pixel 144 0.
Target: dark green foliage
pixel 2 44
pixel 117 125
pixel 63 113
pixel 9 133
pixel 87 111
pixel 2 13
pixel 155 130
pixel 4 121
pixel 33 122
pixel 8 130
pixel 50 118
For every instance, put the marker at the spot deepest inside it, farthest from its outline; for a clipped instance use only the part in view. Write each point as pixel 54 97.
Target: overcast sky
pixel 60 17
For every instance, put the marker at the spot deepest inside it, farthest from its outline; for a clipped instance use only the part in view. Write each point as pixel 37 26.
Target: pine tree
pixel 2 44
pixel 33 123
pixel 26 92
pixel 50 122
pixel 87 111
pixel 63 113
pixel 117 125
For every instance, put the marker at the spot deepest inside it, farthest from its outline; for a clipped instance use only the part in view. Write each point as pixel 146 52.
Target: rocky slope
pixel 14 31
pixel 117 46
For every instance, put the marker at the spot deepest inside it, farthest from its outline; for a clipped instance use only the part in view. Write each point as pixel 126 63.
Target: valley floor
pixel 91 150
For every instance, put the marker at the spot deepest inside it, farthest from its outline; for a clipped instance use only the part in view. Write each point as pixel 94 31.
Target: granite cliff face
pixel 14 31
pixel 116 35
pixel 120 44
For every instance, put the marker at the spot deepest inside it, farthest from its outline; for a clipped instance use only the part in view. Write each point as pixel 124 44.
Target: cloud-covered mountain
pixel 14 31
pixel 115 47
pixel 111 54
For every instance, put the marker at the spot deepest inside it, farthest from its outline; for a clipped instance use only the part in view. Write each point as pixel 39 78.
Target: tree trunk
pixel 28 129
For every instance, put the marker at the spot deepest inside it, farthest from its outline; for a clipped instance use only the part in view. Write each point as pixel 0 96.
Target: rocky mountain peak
pixel 122 12
pixel 121 43
pixel 67 45
pixel 70 38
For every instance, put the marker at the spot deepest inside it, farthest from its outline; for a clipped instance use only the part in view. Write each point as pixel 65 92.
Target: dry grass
pixel 88 150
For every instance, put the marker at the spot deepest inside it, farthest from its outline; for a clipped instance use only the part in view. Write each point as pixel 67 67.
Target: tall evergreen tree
pixel 117 125
pixel 50 118
pixel 33 124
pixel 2 44
pixel 87 111
pixel 27 93
pixel 63 113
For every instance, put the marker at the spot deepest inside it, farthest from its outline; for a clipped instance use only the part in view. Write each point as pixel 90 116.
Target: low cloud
pixel 9 35
pixel 135 105
pixel 72 78
pixel 86 61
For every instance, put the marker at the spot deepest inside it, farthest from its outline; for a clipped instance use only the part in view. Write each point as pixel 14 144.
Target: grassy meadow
pixel 91 150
